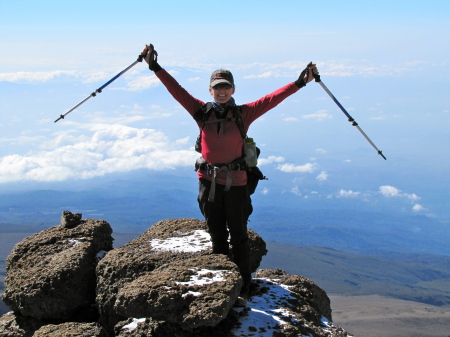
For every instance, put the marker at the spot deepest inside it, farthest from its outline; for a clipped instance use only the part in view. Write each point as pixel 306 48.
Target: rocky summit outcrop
pixel 179 249
pixel 68 281
pixel 51 274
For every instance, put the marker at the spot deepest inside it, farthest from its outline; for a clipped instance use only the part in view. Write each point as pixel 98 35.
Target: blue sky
pixel 387 62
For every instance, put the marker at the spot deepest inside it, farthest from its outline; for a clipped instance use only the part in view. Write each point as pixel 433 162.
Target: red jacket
pixel 227 146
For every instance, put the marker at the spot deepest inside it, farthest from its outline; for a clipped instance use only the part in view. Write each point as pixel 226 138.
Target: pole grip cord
pixel 350 118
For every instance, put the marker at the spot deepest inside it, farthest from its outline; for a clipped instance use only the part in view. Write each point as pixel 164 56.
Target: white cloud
pixel 392 192
pixel 114 148
pixel 418 208
pixel 332 68
pixel 134 81
pixel 140 83
pixel 264 70
pixel 348 193
pixel 21 140
pixel 412 197
pixel 322 176
pixel 267 74
pixel 97 76
pixel 136 106
pixel 37 76
pixel 185 140
pixel 270 160
pixel 295 190
pixel 320 116
pixel 291 168
pixel 389 191
pixel 291 119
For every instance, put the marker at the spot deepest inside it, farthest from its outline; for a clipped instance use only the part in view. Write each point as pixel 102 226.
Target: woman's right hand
pixel 146 52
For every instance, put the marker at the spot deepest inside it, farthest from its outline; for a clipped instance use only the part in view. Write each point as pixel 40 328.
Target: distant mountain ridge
pixel 359 232
pixel 131 208
pixel 419 278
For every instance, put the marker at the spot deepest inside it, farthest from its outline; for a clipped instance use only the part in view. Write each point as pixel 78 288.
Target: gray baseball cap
pixel 221 76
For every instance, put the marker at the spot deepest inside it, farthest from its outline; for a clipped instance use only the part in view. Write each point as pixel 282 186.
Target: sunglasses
pixel 222 86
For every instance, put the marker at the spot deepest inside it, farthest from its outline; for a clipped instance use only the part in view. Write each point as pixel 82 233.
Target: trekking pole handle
pixel 153 57
pixel 316 76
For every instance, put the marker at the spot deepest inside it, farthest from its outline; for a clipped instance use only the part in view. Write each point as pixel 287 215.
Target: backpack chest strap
pixel 231 119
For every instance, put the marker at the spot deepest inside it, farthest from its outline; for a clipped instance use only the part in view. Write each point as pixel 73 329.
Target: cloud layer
pixel 141 79
pixel 110 148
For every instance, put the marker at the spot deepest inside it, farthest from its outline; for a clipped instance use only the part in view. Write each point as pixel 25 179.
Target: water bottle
pixel 250 152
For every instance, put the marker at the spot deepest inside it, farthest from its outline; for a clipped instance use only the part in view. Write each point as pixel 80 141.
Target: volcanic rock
pixel 168 241
pixel 51 274
pixel 182 294
pixel 70 282
pixel 71 329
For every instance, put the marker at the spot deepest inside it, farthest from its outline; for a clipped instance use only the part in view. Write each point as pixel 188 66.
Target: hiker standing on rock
pixel 224 197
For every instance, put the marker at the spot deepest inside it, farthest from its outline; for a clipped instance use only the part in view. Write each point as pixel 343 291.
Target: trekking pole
pixel 153 56
pixel 350 118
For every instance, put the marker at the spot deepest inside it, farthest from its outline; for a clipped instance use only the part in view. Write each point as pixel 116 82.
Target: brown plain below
pixel 376 316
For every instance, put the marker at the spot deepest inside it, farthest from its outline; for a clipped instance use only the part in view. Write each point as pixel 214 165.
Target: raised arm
pixel 259 107
pixel 190 103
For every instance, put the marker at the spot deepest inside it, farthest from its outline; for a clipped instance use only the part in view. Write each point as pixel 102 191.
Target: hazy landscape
pixel 371 295
pixel 375 316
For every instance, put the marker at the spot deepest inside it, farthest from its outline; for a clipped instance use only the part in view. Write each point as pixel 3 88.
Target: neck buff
pixel 221 109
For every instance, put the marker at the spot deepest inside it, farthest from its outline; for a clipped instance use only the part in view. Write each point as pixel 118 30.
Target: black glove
pixel 303 78
pixel 154 66
pixel 151 58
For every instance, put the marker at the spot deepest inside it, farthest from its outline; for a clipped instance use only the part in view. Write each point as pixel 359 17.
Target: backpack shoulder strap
pixel 202 115
pixel 237 113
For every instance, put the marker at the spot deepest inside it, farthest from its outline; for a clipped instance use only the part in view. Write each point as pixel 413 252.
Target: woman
pixel 223 196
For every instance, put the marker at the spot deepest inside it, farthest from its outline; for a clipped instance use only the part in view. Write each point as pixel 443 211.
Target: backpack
pixel 254 174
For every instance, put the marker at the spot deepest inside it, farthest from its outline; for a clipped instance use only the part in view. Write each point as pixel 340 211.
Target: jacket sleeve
pixel 190 103
pixel 252 111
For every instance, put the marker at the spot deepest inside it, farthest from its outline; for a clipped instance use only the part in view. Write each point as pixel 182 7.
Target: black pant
pixel 228 213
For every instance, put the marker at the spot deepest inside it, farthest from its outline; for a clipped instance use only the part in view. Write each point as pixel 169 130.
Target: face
pixel 221 93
